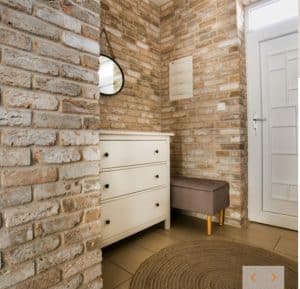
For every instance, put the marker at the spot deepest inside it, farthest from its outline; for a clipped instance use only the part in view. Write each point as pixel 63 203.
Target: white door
pixel 272 63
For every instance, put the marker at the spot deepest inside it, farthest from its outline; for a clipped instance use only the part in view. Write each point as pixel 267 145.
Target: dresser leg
pixel 209 225
pixel 167 224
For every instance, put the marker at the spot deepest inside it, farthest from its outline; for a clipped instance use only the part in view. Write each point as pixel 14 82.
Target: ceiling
pixel 159 2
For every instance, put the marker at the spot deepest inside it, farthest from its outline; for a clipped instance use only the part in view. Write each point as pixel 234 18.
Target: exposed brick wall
pixel 50 192
pixel 210 129
pixel 133 29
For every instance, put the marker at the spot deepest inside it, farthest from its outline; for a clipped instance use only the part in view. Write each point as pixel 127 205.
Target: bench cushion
pixel 199 195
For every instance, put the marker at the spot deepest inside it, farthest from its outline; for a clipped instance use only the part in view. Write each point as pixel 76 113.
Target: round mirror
pixel 111 76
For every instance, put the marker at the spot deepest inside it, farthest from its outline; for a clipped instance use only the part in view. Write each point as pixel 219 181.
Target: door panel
pixel 279 133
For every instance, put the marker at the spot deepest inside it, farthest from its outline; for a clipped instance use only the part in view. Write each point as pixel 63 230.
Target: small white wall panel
pixel 181 80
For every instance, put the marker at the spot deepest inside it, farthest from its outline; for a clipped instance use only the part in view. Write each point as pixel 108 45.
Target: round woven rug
pixel 206 264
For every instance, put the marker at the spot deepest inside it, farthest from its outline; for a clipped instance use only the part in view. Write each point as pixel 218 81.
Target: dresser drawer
pixel 127 153
pixel 125 181
pixel 124 214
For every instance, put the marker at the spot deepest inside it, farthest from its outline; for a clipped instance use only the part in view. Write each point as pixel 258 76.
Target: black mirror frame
pixel 122 73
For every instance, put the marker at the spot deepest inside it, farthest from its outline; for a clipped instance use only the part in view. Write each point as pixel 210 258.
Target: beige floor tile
pixel 154 241
pixel 253 235
pixel 189 229
pixel 129 256
pixel 287 247
pixel 124 285
pixel 113 275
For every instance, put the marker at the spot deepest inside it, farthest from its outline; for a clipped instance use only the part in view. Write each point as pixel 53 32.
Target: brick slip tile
pixel 15 236
pixel 27 137
pixel 56 85
pixel 58 224
pixel 11 157
pixel 92 215
pixel 76 138
pixel 16 275
pixel 41 281
pixel 14 118
pixel 28 176
pixel 93 243
pixel 58 257
pixel 55 155
pixel 92 5
pixel 15 77
pixel 90 32
pixel 79 170
pixel 90 61
pixel 29 62
pixel 29 99
pixel 97 284
pixel 73 282
pixel 90 92
pixel 79 74
pixel 92 123
pixel 30 24
pixel 15 196
pixel 91 184
pixel 32 249
pixel 92 273
pixel 83 232
pixel 21 5
pixel 83 262
pixel 80 43
pixel 58 18
pixel 58 121
pixel 14 38
pixel 79 13
pixel 80 106
pixel 52 190
pixel 91 154
pixel 33 211
pixel 77 203
pixel 56 51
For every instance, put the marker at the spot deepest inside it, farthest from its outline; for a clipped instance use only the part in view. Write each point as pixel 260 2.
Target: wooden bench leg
pixel 221 217
pixel 209 225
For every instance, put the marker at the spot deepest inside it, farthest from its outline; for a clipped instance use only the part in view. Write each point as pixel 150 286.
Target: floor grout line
pixel 276 243
pixel 119 266
pixel 122 283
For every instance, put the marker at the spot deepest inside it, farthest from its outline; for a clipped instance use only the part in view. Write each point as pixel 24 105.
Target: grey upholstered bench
pixel 200 195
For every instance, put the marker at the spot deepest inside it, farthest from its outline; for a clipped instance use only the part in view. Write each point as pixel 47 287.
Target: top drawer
pixel 128 153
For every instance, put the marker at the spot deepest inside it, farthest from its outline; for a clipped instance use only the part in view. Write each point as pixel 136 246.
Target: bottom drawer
pixel 121 215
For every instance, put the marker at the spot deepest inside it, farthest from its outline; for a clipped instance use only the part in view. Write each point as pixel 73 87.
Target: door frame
pixel 255 173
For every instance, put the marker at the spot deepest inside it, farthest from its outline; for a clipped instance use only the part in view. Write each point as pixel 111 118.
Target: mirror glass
pixel 111 76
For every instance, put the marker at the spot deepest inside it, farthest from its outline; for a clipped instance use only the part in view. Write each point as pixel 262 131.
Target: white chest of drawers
pixel 135 177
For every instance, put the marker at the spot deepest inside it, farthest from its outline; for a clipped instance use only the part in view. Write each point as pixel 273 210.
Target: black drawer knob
pixel 157 176
pixel 106 155
pixel 157 204
pixel 106 186
pixel 107 222
pixel 156 151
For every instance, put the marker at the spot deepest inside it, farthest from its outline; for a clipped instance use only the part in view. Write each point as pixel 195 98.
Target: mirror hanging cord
pixel 103 31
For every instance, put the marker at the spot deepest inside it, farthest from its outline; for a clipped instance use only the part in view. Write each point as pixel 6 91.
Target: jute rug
pixel 206 264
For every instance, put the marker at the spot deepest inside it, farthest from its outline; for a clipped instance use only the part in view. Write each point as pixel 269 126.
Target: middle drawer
pixel 125 181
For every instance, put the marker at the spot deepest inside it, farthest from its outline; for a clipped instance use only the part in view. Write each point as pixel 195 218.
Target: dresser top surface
pixel 136 133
